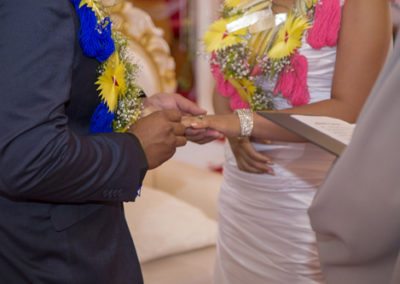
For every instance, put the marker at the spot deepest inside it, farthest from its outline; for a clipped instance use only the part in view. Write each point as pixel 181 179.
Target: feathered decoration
pixel 111 82
pixel 217 37
pixel 289 37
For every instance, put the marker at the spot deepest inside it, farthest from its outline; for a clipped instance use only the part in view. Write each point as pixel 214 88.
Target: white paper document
pixel 333 127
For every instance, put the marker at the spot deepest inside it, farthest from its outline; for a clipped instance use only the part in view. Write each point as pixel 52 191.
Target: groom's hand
pixel 202 136
pixel 199 135
pixel 203 133
pixel 172 101
pixel 187 107
pixel 159 134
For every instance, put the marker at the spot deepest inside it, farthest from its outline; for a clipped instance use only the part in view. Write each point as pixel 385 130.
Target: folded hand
pixel 248 159
pixel 164 101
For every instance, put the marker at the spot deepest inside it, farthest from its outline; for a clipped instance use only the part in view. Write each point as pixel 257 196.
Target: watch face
pixel 395 12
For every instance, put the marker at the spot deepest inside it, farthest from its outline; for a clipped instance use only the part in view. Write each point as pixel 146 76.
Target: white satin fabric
pixel 265 236
pixel 264 230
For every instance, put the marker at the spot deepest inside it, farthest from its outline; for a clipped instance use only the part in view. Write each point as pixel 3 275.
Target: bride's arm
pixel 364 41
pixel 247 158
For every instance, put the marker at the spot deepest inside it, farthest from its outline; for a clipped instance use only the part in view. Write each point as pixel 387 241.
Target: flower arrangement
pixel 120 97
pixel 249 42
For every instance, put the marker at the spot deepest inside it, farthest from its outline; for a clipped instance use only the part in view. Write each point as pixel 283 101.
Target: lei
pixel 249 44
pixel 120 97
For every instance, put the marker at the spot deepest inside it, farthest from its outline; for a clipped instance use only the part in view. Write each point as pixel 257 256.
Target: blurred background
pixel 183 23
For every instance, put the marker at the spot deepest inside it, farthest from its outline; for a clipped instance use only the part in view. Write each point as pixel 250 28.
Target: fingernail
pixel 271 172
pixel 194 124
pixel 270 163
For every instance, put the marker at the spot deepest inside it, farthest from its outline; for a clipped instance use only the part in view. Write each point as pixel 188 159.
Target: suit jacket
pixel 356 212
pixel 61 216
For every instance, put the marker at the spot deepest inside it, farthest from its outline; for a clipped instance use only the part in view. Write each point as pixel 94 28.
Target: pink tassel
pixel 223 86
pixel 236 102
pixel 257 70
pixel 226 89
pixel 325 30
pixel 292 82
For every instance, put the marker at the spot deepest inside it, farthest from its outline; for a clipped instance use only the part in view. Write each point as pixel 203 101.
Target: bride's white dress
pixel 264 230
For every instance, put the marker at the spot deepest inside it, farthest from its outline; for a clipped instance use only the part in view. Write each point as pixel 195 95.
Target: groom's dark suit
pixel 61 218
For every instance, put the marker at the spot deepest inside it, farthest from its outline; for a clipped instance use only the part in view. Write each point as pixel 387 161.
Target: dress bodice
pixel 321 66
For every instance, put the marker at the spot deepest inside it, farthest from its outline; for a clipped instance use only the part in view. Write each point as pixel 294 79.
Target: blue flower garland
pixel 96 40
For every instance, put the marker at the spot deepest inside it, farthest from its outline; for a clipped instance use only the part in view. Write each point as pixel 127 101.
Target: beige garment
pixel 356 213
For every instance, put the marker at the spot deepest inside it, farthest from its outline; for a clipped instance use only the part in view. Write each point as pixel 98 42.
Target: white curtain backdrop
pixel 205 11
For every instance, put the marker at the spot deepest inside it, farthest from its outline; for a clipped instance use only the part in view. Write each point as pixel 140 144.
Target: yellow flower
pixel 289 37
pixel 94 5
pixel 244 87
pixel 234 3
pixel 248 87
pixel 310 3
pixel 111 82
pixel 89 3
pixel 217 36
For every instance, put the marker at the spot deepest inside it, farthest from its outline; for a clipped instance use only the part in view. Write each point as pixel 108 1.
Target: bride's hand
pixel 248 159
pixel 200 135
pixel 227 124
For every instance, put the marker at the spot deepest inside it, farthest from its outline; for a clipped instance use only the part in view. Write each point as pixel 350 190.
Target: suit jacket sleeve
pixel 41 158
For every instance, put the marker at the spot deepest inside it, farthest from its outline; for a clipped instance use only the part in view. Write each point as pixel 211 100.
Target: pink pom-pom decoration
pixel 257 70
pixel 292 81
pixel 236 102
pixel 326 26
pixel 225 88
